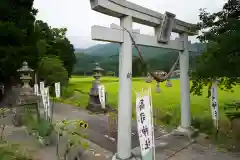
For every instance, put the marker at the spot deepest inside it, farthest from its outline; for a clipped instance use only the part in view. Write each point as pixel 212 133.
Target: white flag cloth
pixel 214 104
pixel 57 89
pixel 46 102
pixel 36 89
pixel 145 125
pixel 101 93
pixel 42 85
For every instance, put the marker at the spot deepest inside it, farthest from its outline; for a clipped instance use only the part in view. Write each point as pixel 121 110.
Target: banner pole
pixel 153 129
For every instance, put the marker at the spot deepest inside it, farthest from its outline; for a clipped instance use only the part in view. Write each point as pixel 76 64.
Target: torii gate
pixel 128 13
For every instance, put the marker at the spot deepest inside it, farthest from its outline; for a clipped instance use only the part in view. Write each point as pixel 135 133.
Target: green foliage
pixel 221 34
pixel 53 41
pixel 67 91
pixel 30 121
pixel 8 150
pixel 203 124
pixel 232 110
pixel 41 127
pixel 51 70
pixel 45 128
pixel 17 42
pixel 110 73
pixel 12 152
pixel 73 130
pixel 23 38
pixel 138 69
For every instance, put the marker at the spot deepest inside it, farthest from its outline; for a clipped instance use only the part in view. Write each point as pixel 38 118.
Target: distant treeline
pixel 107 56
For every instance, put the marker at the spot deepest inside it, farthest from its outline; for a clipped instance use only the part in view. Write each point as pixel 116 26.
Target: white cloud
pixel 78 17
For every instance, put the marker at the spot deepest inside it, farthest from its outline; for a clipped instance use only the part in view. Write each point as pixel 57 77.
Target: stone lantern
pixel 24 97
pixel 97 73
pixel 168 83
pixel 94 104
pixel 25 72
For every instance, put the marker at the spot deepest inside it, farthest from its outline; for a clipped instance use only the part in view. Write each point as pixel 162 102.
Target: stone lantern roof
pixel 25 68
pixel 97 68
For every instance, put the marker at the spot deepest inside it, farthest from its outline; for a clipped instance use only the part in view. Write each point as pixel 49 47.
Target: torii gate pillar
pixel 125 92
pixel 185 126
pixel 164 25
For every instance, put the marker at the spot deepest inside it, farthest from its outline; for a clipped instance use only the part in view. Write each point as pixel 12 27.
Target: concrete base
pixel 158 89
pixel 168 84
pixel 132 158
pixel 160 144
pixel 185 132
pixel 97 108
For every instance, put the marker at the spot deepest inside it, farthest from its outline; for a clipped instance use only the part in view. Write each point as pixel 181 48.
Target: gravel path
pixel 98 125
pixel 201 150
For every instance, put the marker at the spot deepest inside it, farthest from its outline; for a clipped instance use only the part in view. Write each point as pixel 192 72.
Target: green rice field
pixel 167 101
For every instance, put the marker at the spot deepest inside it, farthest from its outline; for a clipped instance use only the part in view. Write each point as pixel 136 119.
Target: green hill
pixel 107 56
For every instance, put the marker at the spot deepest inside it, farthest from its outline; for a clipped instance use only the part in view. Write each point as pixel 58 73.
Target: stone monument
pixel 25 97
pixel 94 104
pixel 158 89
pixel 149 78
pixel 168 83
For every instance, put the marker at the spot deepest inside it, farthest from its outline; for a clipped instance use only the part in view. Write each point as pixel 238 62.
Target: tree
pixel 138 69
pixel 110 73
pixel 221 34
pixel 53 41
pixel 17 38
pixel 51 70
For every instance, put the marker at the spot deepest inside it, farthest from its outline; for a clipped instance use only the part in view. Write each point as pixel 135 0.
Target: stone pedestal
pixel 149 79
pixel 132 158
pixel 94 104
pixel 24 100
pixel 24 96
pixel 158 90
pixel 168 83
pixel 185 132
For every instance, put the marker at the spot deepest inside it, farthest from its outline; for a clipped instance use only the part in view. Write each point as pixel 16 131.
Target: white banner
pixel 49 110
pixel 36 89
pixel 101 93
pixel 152 121
pixel 214 103
pixel 46 102
pixel 145 125
pixel 57 89
pixel 42 87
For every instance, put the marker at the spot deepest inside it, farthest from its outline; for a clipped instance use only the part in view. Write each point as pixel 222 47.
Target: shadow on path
pixel 98 125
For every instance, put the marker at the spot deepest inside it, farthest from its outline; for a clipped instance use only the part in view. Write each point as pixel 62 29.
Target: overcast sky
pixel 77 16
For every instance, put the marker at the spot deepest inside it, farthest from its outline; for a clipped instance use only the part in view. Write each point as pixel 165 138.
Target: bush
pixel 67 92
pixel 204 124
pixel 40 126
pixel 45 128
pixel 12 152
pixel 51 70
pixel 232 110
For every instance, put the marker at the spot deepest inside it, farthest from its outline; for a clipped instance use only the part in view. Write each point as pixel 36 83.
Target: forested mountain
pixel 107 56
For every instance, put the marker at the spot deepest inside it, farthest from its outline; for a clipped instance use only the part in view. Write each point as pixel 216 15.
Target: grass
pixel 168 101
